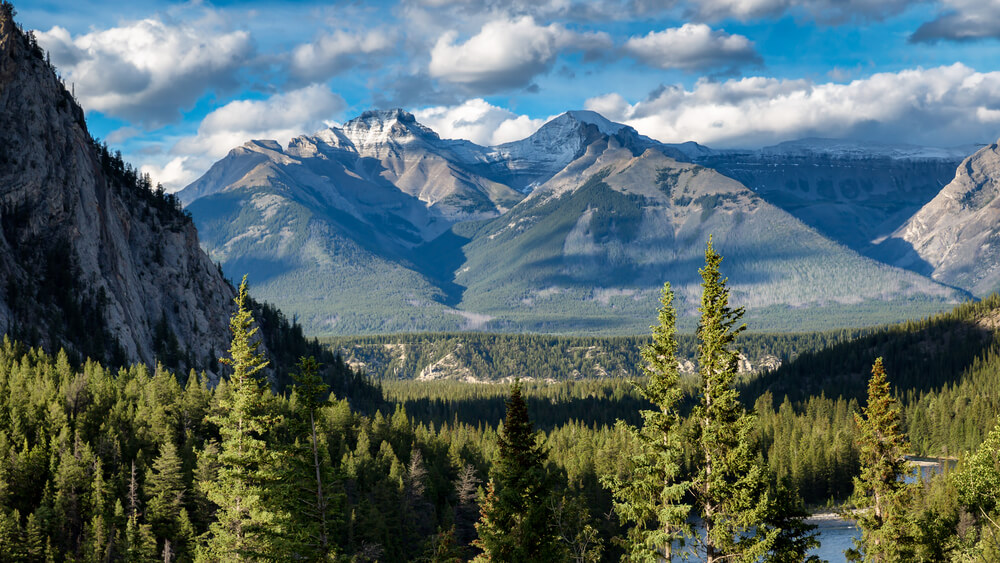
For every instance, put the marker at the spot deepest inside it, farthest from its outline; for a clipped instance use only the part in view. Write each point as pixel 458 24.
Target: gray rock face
pixel 605 232
pixel 90 258
pixel 957 234
pixel 856 194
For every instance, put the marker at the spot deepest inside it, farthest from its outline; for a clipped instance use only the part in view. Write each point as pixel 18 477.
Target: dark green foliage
pixel 795 537
pixel 245 517
pixel 880 491
pixel 496 356
pixel 516 511
pixel 729 483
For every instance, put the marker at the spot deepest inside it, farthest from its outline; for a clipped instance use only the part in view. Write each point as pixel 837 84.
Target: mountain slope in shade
pixel 854 193
pixel 90 258
pixel 348 228
pixel 591 248
pixel 956 236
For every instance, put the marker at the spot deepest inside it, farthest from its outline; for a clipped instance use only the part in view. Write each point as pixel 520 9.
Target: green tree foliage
pixel 650 494
pixel 244 518
pixel 309 478
pixel 881 494
pixel 516 511
pixel 165 491
pixel 729 484
pixel 978 486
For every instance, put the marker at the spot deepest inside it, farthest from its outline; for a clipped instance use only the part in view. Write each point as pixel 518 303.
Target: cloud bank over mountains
pixel 189 81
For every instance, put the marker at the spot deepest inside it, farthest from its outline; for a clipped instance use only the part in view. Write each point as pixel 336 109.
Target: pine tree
pixel 165 492
pixel 312 393
pixel 978 480
pixel 651 494
pixel 881 493
pixel 243 517
pixel 466 510
pixel 515 514
pixel 729 487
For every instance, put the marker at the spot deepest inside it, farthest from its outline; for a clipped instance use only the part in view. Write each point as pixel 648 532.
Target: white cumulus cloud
pixel 280 117
pixel 478 121
pixel 336 52
pixel 823 11
pixel 692 47
pixel 507 53
pixel 148 71
pixel 942 106
pixel 962 20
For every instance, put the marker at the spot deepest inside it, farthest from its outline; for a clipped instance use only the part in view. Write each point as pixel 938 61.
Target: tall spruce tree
pixel 881 493
pixel 244 519
pixel 165 505
pixel 730 483
pixel 313 521
pixel 514 525
pixel 650 496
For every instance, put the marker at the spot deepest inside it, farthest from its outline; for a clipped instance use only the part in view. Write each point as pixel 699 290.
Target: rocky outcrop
pixel 957 234
pixel 91 258
pixel 856 194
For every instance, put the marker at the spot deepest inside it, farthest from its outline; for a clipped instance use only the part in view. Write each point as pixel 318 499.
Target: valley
pixel 583 345
pixel 383 226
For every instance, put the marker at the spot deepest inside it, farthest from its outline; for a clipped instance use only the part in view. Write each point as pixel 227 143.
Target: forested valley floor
pixel 139 464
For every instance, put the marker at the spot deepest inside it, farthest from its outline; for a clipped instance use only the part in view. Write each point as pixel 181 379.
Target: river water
pixel 835 535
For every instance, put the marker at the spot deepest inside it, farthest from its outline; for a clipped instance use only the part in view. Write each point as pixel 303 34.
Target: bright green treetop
pixel 650 494
pixel 240 490
pixel 881 493
pixel 730 485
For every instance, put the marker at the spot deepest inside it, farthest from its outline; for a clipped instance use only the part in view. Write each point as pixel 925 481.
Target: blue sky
pixel 176 85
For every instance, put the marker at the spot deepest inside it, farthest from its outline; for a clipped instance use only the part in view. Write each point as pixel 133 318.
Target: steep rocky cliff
pixel 92 258
pixel 957 234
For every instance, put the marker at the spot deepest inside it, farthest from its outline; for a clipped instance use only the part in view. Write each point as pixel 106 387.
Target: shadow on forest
pixel 918 357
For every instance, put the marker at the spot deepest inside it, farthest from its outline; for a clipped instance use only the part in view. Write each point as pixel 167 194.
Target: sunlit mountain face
pixel 383 226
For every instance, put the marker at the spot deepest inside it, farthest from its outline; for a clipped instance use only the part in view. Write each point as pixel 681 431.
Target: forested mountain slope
pixel 93 259
pixel 588 251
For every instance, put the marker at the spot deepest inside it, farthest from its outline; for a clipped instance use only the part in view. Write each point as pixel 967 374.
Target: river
pixel 835 535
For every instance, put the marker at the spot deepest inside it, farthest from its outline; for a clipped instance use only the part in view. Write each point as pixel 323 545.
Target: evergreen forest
pixel 296 456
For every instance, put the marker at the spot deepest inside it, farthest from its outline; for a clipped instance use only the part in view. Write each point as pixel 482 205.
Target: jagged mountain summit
pixel 956 236
pixel 380 225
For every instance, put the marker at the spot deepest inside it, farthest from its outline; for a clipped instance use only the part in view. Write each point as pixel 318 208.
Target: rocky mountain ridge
pixel 956 235
pixel 381 225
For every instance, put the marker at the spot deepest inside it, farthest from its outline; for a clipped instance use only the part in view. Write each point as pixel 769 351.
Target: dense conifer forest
pixel 314 463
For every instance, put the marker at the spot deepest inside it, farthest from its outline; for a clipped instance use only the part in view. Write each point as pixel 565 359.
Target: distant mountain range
pixel 382 226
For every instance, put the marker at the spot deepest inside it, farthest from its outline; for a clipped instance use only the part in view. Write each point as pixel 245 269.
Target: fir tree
pixel 466 510
pixel 243 517
pixel 650 496
pixel 312 393
pixel 881 493
pixel 515 514
pixel 165 492
pixel 729 486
